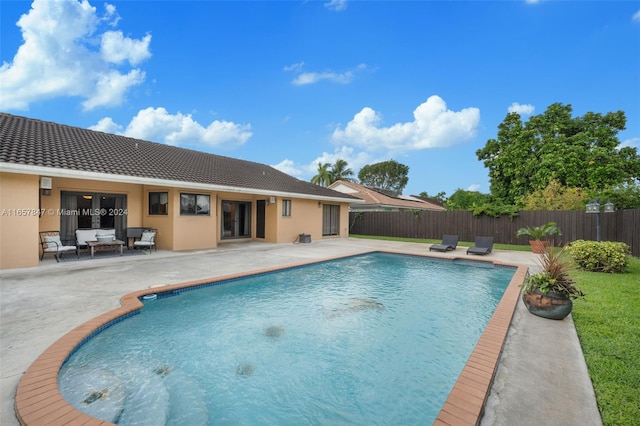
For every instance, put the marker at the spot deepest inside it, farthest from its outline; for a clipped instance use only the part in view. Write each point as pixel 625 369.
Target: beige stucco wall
pixel 162 223
pixel 19 218
pixel 193 232
pixel 51 203
pixel 20 244
pixel 306 218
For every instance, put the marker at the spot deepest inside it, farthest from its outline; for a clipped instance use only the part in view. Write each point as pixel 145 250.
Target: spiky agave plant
pixel 555 275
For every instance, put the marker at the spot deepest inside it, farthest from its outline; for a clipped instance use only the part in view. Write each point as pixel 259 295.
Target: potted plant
pixel 549 293
pixel 537 233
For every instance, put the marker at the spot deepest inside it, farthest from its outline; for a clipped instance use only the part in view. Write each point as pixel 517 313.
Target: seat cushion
pixel 147 237
pixel 53 242
pixel 84 235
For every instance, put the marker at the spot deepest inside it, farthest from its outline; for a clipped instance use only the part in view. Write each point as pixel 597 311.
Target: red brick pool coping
pixel 39 401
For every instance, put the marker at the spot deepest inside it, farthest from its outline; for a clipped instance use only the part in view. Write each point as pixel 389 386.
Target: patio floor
pixel 541 378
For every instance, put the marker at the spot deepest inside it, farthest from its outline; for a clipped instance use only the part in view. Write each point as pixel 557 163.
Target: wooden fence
pixel 621 225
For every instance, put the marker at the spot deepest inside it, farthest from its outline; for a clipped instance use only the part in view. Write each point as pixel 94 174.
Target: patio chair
pixel 449 242
pixel 483 245
pixel 147 240
pixel 51 243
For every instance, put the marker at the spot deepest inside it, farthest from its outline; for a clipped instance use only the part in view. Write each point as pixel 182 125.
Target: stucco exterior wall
pixel 306 218
pixel 51 203
pixel 193 232
pixel 20 242
pixel 19 219
pixel 162 223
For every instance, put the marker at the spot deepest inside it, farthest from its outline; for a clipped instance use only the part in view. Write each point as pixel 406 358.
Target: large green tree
pixel 387 175
pixel 467 200
pixel 578 152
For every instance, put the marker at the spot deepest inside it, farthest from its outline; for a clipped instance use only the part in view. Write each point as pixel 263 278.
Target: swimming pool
pixel 386 349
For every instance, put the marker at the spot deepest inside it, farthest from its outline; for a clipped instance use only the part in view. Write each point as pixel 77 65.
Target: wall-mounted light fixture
pixel 272 199
pixel 46 183
pixel 319 203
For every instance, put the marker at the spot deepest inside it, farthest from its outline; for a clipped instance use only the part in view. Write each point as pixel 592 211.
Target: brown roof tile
pixel 31 142
pixel 372 197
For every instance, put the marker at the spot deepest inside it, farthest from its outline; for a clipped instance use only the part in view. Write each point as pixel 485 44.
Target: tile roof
pixel 30 142
pixel 373 198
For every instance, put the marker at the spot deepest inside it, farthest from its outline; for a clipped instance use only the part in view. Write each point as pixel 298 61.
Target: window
pixel 158 203
pixel 194 204
pixel 286 207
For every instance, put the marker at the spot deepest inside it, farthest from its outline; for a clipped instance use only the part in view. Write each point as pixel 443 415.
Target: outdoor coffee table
pixel 110 245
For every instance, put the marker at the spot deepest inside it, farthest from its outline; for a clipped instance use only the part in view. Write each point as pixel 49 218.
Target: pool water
pixel 372 339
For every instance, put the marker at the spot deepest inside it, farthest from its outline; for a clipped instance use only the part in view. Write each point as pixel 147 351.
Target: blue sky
pixel 294 83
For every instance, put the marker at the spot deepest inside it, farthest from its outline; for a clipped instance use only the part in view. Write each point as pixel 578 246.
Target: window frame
pixel 159 194
pixel 286 208
pixel 194 203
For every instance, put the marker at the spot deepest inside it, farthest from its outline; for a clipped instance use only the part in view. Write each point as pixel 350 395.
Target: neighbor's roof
pixel 38 147
pixel 375 198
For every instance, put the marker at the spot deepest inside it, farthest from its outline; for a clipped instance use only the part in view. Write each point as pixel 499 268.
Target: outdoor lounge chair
pixel 147 240
pixel 449 242
pixel 483 246
pixel 51 243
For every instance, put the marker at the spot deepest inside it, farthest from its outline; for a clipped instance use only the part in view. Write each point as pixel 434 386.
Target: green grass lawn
pixel 608 325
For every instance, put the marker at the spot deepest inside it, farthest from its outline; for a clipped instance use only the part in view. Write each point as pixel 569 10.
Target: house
pixel 57 177
pixel 377 200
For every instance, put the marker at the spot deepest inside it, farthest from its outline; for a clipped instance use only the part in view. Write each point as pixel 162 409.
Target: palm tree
pixel 323 178
pixel 340 171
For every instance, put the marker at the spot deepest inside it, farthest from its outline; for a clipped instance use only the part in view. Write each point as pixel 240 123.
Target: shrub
pixel 605 256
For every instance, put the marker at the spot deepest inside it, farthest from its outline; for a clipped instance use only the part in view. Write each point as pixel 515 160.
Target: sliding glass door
pixel 92 210
pixel 236 219
pixel 330 219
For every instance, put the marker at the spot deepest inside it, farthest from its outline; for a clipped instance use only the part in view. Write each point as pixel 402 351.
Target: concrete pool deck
pixel 541 377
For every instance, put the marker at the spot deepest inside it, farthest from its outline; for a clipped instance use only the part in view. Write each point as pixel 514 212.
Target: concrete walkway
pixel 541 379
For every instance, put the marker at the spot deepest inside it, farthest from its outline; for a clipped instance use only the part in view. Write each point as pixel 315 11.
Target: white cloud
pixel 64 53
pixel 107 125
pixel 289 167
pixel 304 78
pixel 294 67
pixel 433 126
pixel 636 16
pixel 156 124
pixel 336 5
pixel 474 187
pixel 355 160
pixel 110 88
pixel 525 109
pixel 116 48
pixel 631 142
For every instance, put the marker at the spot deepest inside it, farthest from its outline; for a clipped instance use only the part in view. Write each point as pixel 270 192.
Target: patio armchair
pixel 52 244
pixel 449 242
pixel 483 245
pixel 147 240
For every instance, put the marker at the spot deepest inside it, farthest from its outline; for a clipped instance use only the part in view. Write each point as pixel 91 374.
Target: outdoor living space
pixel 73 293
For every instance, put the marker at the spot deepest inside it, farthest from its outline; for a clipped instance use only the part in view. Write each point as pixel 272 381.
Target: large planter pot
pixel 538 246
pixel 550 305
